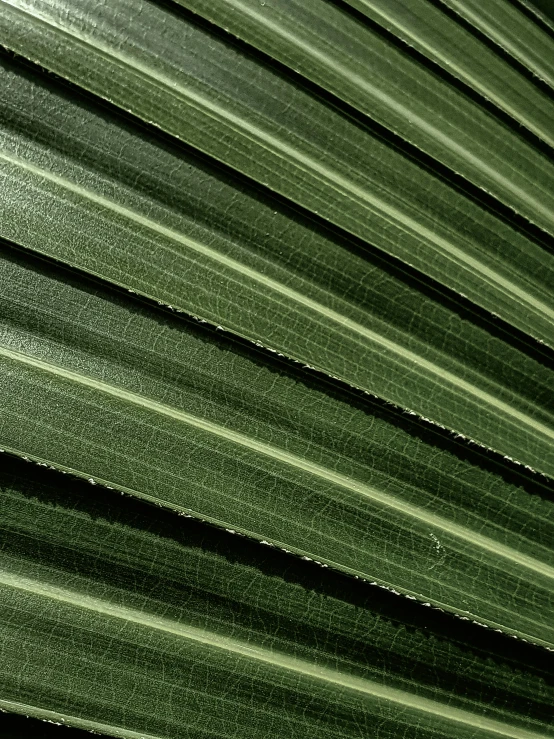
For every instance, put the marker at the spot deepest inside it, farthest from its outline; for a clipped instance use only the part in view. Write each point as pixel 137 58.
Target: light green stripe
pixel 364 84
pixel 309 165
pixel 94 727
pixel 403 355
pixel 367 687
pixel 292 460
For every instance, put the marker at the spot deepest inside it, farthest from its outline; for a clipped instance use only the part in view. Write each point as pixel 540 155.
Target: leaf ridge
pixel 292 460
pixel 273 658
pixel 341 184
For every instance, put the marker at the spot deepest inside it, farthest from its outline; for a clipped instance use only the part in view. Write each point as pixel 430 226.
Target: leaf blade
pixel 87 592
pixel 403 226
pixel 211 262
pixel 356 502
pixel 367 72
pixel 506 26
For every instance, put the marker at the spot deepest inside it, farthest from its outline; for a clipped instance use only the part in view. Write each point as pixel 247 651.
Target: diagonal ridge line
pixel 333 677
pixel 287 458
pixel 393 104
pixel 401 354
pixel 338 182
pixel 56 717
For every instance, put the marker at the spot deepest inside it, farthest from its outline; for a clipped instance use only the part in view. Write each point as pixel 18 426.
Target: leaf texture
pixel 100 380
pixel 226 103
pixel 434 33
pixel 354 62
pixel 183 234
pixel 517 35
pixel 148 601
pixel 284 269
pixel 540 9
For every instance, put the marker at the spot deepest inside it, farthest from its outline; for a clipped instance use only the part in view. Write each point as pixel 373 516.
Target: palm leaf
pixel 132 625
pixel 283 269
pixel 223 101
pixel 182 235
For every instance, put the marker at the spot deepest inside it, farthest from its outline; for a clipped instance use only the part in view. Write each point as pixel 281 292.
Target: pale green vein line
pixel 287 458
pixel 365 85
pixel 403 355
pixel 518 52
pixel 450 64
pixel 306 163
pixel 275 659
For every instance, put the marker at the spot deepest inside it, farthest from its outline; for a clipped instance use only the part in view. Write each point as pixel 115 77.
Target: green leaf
pixel 434 33
pixel 164 409
pixel 541 10
pixel 212 95
pixel 185 235
pixel 517 35
pixel 354 62
pixel 264 268
pixel 118 620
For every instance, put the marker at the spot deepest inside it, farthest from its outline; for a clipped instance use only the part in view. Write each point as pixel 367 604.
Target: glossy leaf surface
pixel 277 368
pixel 111 605
pixel 212 95
pixel 187 236
pixel 165 410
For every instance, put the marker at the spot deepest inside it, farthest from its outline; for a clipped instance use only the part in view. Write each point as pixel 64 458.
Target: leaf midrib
pixel 292 460
pixel 364 85
pixel 403 355
pixel 272 658
pixel 336 181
